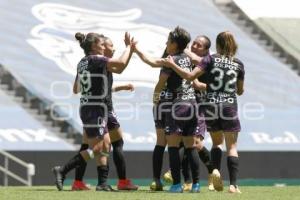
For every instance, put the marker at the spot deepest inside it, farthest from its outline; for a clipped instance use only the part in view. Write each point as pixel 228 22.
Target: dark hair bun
pixel 80 37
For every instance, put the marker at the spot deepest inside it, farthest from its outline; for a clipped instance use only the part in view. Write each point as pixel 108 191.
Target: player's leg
pixel 204 156
pixel 157 158
pixel 102 164
pixel 231 127
pixel 173 140
pixel 232 160
pixel 115 133
pixel 216 157
pixel 194 160
pixel 78 183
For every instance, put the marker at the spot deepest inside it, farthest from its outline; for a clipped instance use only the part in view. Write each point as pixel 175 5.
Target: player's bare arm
pixel 153 62
pixel 117 65
pixel 199 85
pixel 190 76
pixel 76 85
pixel 126 87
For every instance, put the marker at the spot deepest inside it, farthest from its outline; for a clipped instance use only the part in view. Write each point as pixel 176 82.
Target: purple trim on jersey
pixel 205 62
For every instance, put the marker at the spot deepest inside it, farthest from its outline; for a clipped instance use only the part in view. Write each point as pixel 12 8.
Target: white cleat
pixel 217 180
pixel 234 189
pixel 210 183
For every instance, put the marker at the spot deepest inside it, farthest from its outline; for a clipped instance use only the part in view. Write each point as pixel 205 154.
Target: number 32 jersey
pixel 92 74
pixel 222 76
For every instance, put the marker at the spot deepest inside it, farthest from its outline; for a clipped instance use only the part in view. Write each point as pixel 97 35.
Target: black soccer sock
pixel 181 152
pixel 119 159
pixel 74 162
pixel 174 164
pixel 233 165
pixel 157 161
pixel 80 170
pixel 102 174
pixel 205 158
pixel 194 161
pixel 216 157
pixel 186 170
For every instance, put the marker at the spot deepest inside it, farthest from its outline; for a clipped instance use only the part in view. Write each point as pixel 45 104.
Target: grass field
pixel 50 193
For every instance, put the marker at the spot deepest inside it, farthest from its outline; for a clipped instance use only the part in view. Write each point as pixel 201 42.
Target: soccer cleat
pixel 210 183
pixel 156 186
pixel 176 188
pixel 234 189
pixel 168 177
pixel 59 177
pixel 105 188
pixel 217 180
pixel 126 184
pixel 195 188
pixel 187 186
pixel 79 185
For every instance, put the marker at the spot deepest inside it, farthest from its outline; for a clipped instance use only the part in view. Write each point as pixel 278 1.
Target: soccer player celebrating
pixel 181 121
pixel 91 80
pixel 159 121
pixel 114 130
pixel 199 48
pixel 225 80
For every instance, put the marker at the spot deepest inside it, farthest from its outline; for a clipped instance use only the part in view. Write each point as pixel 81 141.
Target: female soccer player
pixel 159 121
pixel 91 80
pixel 199 48
pixel 181 119
pixel 225 80
pixel 115 132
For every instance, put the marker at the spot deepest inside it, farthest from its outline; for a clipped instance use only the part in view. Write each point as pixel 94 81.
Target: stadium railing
pixel 29 167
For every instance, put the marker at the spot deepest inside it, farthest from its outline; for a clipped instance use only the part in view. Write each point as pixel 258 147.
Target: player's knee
pixel 118 144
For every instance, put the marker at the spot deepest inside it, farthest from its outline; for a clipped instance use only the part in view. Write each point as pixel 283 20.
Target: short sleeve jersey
pixel 222 74
pixel 92 74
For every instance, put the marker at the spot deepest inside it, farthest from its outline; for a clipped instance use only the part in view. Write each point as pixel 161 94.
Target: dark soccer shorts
pixel 160 111
pixel 112 121
pixel 182 120
pixel 93 120
pixel 221 117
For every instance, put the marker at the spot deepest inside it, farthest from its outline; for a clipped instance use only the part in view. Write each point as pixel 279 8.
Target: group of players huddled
pixel 196 91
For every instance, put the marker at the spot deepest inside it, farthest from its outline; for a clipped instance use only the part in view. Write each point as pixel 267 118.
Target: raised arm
pixel 117 65
pixel 127 87
pixel 76 85
pixel 153 62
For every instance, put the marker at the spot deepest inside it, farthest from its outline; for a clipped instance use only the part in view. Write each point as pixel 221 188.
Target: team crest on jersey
pixel 54 37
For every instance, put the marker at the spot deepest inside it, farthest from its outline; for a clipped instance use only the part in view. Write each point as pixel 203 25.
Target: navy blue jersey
pixel 92 74
pixel 222 75
pixel 180 88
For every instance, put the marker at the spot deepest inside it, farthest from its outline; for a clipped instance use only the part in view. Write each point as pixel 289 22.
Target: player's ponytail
pixel 86 41
pixel 80 37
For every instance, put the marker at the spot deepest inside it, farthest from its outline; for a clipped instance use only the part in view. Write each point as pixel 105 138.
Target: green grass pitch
pixel 50 193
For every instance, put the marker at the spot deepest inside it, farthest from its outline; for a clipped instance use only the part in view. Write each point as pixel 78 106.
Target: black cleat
pixel 105 188
pixel 59 177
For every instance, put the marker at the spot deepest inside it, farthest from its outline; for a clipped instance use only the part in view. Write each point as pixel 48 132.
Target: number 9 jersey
pixel 92 74
pixel 222 76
